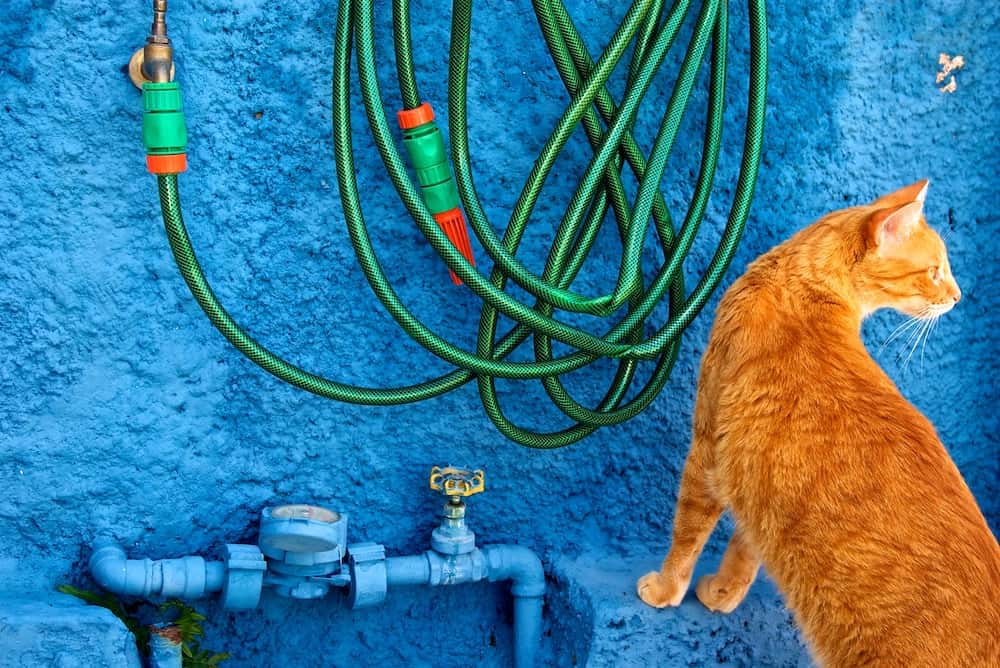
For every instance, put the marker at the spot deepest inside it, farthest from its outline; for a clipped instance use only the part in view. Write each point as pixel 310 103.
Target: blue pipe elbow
pixel 496 563
pixel 519 565
pixel 524 569
pixel 187 577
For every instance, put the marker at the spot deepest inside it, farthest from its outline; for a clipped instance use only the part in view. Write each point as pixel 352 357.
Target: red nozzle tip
pixel 452 223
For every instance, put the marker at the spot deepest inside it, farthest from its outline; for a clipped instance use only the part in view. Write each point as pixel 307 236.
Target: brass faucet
pixel 155 61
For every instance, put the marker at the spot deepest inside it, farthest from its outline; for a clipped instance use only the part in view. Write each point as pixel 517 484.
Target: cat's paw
pixel 660 591
pixel 720 595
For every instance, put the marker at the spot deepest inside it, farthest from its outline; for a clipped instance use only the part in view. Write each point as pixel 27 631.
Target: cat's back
pixel 759 339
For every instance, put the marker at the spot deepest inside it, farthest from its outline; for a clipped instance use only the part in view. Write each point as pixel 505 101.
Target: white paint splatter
pixel 948 65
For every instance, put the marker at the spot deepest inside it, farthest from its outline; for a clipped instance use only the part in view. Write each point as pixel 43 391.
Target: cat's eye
pixel 935 274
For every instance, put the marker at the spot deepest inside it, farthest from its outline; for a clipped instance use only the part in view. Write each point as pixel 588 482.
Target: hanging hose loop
pixel 651 29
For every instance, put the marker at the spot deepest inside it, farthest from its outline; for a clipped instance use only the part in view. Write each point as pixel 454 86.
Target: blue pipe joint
pixel 519 565
pixel 245 568
pixel 453 540
pixel 457 568
pixel 368 575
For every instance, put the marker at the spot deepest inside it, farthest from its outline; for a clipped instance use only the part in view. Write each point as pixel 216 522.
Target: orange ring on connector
pixel 411 118
pixel 167 164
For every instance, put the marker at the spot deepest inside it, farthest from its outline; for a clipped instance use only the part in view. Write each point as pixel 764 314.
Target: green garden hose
pixel 651 28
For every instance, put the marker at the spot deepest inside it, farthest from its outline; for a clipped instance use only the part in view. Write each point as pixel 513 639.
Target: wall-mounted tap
pixel 154 62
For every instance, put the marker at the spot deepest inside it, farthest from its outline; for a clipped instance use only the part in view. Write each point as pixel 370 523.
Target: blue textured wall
pixel 122 410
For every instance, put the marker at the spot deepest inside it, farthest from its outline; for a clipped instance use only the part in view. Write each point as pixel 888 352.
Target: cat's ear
pixel 887 228
pixel 915 192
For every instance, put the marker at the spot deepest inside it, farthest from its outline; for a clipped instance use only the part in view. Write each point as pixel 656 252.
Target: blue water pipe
pixel 165 649
pixel 302 553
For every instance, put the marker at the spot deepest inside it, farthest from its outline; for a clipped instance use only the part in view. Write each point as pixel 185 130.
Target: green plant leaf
pixel 93 598
pixel 188 621
pixel 111 603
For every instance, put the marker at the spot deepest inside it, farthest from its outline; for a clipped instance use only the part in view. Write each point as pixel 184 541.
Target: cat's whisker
pixel 903 328
pixel 913 324
pixel 923 339
pixel 899 331
pixel 916 340
pixel 914 336
pixel 930 328
pixel 903 355
pixel 912 340
pixel 923 344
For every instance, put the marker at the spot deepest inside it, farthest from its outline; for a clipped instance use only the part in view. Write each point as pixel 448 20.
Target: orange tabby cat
pixel 837 484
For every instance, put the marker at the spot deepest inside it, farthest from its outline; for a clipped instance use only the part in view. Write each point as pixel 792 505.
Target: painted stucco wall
pixel 123 411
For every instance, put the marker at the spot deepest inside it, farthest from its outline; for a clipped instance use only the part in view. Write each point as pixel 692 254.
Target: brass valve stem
pixel 158 54
pixel 159 27
pixel 454 510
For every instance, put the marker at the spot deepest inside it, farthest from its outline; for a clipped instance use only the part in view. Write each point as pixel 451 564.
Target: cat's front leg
pixel 661 589
pixel 697 512
pixel 725 590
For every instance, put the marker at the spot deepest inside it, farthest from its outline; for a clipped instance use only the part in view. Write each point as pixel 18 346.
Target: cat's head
pixel 905 263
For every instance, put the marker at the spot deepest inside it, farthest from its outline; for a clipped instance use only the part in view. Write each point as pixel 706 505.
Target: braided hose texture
pixel 651 29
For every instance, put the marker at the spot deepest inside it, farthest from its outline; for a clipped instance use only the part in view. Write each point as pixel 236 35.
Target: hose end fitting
pixel 425 146
pixel 452 223
pixel 152 69
pixel 163 130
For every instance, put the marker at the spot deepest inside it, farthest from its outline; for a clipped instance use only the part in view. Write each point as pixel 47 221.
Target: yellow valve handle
pixel 457 482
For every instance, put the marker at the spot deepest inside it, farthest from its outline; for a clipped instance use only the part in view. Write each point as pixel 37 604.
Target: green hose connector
pixel 163 129
pixel 425 145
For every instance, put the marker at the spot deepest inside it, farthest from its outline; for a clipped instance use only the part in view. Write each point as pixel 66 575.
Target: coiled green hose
pixel 652 28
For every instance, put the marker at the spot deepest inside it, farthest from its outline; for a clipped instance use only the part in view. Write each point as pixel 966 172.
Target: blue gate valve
pixel 453 536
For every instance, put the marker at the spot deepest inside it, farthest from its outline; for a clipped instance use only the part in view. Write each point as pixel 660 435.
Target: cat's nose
pixel 956 294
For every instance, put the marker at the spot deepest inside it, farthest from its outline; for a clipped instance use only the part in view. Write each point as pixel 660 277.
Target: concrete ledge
pixel 55 630
pixel 625 632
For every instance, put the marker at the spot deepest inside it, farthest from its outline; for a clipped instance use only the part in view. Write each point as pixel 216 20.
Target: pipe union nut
pixel 245 568
pixel 368 575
